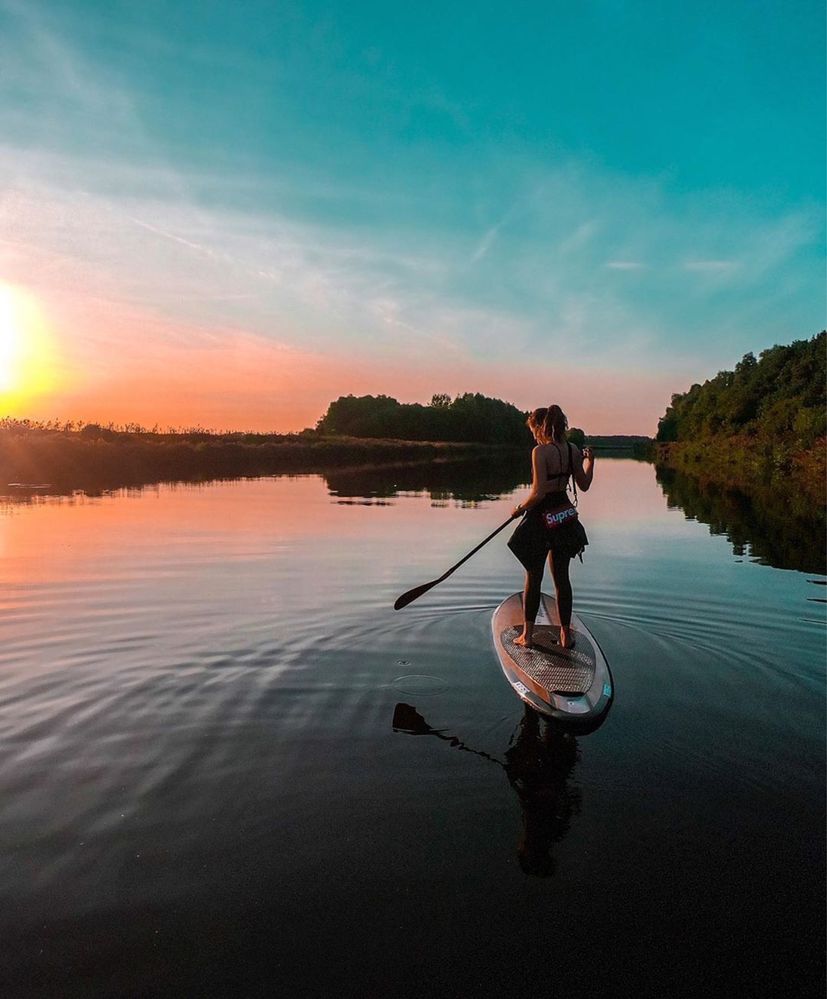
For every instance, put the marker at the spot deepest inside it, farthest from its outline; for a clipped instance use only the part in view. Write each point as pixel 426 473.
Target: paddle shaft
pixel 417 591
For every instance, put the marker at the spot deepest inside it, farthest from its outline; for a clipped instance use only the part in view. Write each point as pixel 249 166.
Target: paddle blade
pixel 407 719
pixel 413 594
pixel 417 591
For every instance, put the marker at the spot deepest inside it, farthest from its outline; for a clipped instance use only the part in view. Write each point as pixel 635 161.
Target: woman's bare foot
pixel 566 638
pixel 525 640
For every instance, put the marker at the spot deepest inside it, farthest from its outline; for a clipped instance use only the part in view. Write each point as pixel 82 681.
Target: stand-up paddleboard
pixel 567 684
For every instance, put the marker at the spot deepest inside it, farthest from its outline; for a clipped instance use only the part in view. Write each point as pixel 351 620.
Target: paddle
pixel 407 719
pixel 417 591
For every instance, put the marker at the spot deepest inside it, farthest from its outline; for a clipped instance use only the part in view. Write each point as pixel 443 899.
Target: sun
pixel 26 350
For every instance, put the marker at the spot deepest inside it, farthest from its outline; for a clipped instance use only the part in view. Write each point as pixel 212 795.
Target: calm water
pixel 204 792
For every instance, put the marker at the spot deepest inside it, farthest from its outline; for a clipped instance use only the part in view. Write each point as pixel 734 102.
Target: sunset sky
pixel 229 213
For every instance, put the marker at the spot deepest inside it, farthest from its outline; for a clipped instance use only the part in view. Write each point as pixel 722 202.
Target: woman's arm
pixel 538 484
pixel 583 467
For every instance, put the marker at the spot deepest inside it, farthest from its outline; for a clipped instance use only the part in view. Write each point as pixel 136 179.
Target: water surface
pixel 209 786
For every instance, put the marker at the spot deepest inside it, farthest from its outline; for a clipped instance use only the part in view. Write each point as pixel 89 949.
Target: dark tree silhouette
pixel 780 395
pixel 470 418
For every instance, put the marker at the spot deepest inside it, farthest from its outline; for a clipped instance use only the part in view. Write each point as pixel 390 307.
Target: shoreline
pixel 92 457
pixel 746 463
pixel 66 461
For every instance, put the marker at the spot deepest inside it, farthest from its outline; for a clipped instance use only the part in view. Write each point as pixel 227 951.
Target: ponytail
pixel 549 424
pixel 556 424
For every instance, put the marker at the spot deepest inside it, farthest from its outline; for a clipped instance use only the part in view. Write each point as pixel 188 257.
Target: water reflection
pixel 467 481
pixel 538 766
pixel 773 526
pixel 538 763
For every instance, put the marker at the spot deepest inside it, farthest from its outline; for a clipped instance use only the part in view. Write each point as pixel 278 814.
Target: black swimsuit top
pixel 561 475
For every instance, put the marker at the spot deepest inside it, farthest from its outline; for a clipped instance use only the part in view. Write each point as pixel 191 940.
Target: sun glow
pixel 26 350
pixel 9 341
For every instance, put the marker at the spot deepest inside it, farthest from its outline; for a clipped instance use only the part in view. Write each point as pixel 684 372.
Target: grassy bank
pixel 92 458
pixel 748 462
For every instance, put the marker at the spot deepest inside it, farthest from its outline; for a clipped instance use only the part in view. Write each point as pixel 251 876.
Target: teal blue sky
pixel 600 202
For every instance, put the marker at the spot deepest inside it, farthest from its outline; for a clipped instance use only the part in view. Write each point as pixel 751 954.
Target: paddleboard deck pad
pixel 568 684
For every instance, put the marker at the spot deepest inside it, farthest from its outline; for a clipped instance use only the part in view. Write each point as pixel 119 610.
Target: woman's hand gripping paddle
pixel 417 591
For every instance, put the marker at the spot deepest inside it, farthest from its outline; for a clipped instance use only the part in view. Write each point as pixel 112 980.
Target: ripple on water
pixel 420 684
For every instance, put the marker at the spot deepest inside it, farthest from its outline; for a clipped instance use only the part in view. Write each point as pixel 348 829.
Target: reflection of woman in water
pixel 553 461
pixel 538 767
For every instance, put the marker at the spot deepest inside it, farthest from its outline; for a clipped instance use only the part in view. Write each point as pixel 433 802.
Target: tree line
pixel 470 417
pixel 781 394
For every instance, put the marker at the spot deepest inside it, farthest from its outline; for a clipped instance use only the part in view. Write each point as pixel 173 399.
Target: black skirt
pixel 532 540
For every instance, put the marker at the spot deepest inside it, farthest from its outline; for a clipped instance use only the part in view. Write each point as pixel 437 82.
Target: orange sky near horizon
pixel 147 371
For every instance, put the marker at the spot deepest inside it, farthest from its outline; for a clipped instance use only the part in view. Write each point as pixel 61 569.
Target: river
pixel 210 785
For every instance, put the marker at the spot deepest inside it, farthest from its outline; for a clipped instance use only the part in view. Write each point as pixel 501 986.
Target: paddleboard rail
pixel 570 685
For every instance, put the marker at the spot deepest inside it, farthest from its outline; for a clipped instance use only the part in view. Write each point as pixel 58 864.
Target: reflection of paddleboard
pixel 567 684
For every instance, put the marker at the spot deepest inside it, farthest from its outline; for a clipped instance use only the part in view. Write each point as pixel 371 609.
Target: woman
pixel 553 460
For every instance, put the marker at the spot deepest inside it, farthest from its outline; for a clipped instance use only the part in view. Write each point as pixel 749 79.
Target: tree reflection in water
pixel 775 525
pixel 487 477
pixel 538 763
pixel 466 481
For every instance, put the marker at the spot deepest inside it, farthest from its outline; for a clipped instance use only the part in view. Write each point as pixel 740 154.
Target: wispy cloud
pixel 580 237
pixel 486 242
pixel 625 265
pixel 197 247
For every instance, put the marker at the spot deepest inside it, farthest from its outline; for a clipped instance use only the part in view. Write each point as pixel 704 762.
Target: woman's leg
pixel 531 601
pixel 559 565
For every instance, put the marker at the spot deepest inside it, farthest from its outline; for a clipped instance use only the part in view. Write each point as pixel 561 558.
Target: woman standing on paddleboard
pixel 551 526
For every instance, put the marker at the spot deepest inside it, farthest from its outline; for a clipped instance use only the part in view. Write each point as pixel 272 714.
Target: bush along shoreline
pixel 763 423
pixel 747 463
pixel 93 458
pixel 88 457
